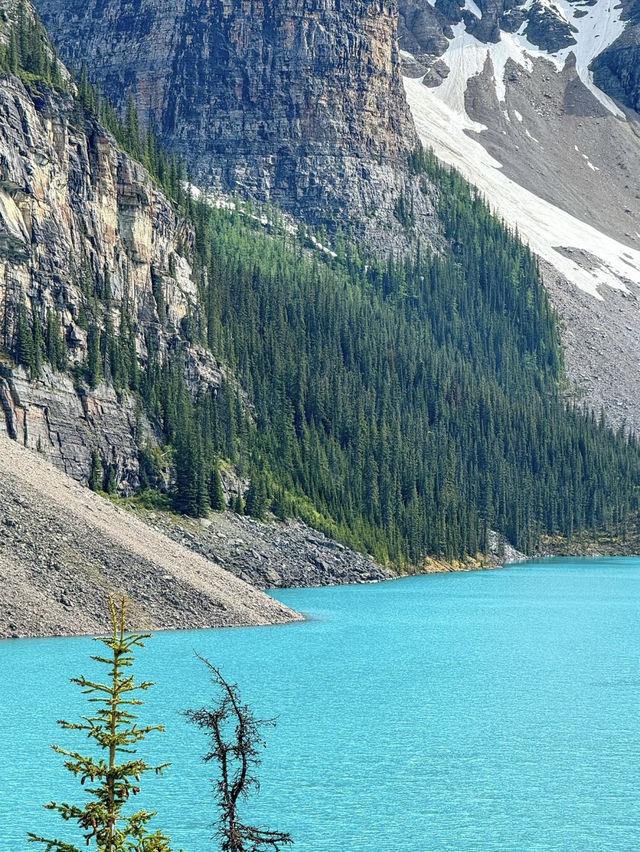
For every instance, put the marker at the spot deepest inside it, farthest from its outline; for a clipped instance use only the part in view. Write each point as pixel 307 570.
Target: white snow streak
pixel 466 56
pixel 545 227
pixel 443 124
pixel 599 28
pixel 472 7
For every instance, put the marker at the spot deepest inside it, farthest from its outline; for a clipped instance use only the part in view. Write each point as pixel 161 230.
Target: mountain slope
pixel 63 550
pixel 510 96
pixel 533 101
pixel 81 221
pixel 405 406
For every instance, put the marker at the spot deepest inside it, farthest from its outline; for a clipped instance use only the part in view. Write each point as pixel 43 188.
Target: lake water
pixel 483 711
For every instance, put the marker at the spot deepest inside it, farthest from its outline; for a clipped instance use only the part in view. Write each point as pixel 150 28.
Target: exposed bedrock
pixel 76 216
pixel 294 101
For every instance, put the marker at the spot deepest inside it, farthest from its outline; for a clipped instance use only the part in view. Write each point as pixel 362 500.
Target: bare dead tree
pixel 236 742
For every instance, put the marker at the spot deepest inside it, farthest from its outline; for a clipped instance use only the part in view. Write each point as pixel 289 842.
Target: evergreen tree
pixel 111 482
pixel 94 358
pixel 14 53
pixel 191 496
pixel 113 730
pixel 96 477
pixel 55 346
pixel 256 501
pixel 216 494
pixel 23 351
pixel 38 341
pixel 237 504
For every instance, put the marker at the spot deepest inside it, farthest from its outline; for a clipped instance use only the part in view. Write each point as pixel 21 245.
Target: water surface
pixel 483 711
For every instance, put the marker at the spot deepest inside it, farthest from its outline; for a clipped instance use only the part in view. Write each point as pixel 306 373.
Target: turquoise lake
pixel 485 711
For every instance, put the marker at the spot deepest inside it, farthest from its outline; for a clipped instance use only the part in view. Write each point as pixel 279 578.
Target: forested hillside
pixel 403 405
pixel 406 406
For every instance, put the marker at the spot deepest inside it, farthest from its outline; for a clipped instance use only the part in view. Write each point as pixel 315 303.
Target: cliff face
pixel 77 216
pixel 294 101
pixel 617 69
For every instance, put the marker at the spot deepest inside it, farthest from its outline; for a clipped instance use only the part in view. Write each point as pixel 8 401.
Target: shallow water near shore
pixel 495 710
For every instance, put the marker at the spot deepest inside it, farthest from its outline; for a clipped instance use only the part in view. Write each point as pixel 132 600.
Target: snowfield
pixel 580 252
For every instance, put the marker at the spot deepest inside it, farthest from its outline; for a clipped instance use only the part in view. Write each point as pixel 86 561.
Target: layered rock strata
pixel 299 103
pixel 79 216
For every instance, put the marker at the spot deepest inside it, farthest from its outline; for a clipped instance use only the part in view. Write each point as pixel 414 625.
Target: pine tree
pixel 279 505
pixel 23 349
pixel 216 494
pixel 113 729
pixel 14 53
pixel 54 342
pixel 111 483
pixel 237 504
pixel 256 500
pixel 94 359
pixel 38 341
pixel 96 477
pixel 191 486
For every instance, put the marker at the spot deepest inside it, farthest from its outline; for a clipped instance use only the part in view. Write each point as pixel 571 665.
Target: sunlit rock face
pixel 77 215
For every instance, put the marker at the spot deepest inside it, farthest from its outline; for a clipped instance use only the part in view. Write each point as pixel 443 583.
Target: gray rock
pixel 99 550
pixel 547 29
pixel 80 210
pixel 299 103
pixel 272 555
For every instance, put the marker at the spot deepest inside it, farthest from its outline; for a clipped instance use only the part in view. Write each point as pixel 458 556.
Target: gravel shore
pixel 64 550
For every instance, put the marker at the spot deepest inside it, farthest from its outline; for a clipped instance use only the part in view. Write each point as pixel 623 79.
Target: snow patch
pixel 582 254
pixel 599 28
pixel 466 56
pixel 472 7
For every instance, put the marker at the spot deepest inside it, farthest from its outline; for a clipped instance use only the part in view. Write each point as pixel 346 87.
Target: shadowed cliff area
pixel 298 103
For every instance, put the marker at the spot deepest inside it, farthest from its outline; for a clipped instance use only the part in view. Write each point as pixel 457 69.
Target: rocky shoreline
pixel 269 555
pixel 64 550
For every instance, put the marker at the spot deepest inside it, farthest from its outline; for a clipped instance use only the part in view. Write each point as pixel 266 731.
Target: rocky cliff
pixel 617 69
pixel 78 217
pixel 426 29
pixel 295 102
